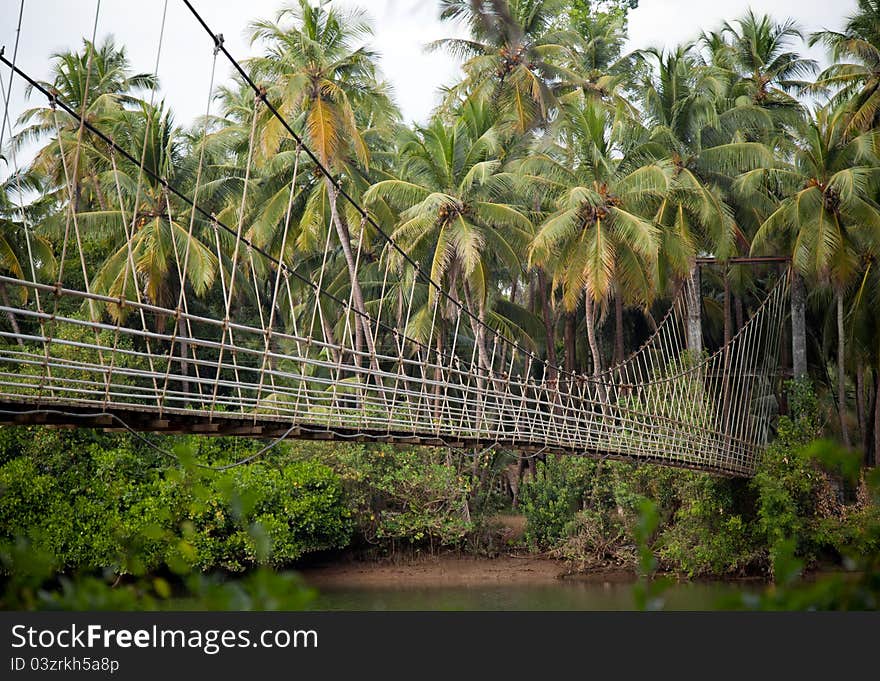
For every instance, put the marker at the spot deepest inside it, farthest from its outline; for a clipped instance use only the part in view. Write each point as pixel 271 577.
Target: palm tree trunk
pixel 876 459
pixel 99 194
pixel 549 330
pixel 728 320
pixel 871 425
pixel 591 334
pixel 860 405
pixel 478 328
pixel 13 320
pixel 694 324
pixel 330 340
pixel 728 334
pixel 530 302
pixel 618 325
pixel 438 373
pixel 798 326
pixel 363 320
pixel 738 311
pixel 569 342
pixel 841 369
pixel 182 339
pixel 596 352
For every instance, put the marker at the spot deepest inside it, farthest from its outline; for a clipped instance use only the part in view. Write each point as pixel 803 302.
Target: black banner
pixel 457 645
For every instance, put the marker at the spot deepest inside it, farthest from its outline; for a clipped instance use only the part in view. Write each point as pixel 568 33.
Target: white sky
pixel 403 27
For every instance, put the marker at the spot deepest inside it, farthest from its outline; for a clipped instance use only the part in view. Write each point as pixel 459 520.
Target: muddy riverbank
pixel 449 570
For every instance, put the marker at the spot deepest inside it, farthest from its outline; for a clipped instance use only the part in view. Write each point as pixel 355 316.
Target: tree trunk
pixel 362 321
pixel 871 424
pixel 841 370
pixel 618 325
pixel 570 344
pixel 876 457
pixel 530 303
pixel 728 320
pixel 183 340
pixel 591 334
pixel 738 311
pixel 860 405
pixel 438 373
pixel 13 321
pixel 798 326
pixel 479 329
pixel 549 331
pixel 694 323
pixel 99 194
pixel 330 340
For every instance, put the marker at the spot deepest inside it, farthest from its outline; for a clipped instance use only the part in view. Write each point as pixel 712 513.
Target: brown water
pixel 560 595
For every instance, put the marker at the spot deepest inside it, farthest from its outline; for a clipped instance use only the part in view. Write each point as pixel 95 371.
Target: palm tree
pixel 601 238
pixel 312 69
pixel 144 236
pixel 514 57
pixel 769 71
pixel 866 334
pixel 17 257
pixel 829 212
pixel 97 83
pixel 453 198
pixel 764 75
pixel 854 75
pixel 708 144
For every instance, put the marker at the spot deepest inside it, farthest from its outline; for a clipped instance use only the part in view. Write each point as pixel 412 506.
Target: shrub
pixel 271 515
pixel 551 499
pixel 94 506
pixel 404 497
pixel 787 483
pixel 596 539
pixel 707 535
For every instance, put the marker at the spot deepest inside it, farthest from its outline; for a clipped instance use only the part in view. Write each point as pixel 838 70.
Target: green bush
pixel 93 502
pixel 597 539
pixel 707 535
pixel 788 484
pixel 551 499
pixel 409 498
pixel 269 515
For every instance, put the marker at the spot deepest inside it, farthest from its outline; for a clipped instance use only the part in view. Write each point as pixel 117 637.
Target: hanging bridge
pixel 364 346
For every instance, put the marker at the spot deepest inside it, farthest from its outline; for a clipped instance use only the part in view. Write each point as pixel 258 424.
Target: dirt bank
pixel 450 570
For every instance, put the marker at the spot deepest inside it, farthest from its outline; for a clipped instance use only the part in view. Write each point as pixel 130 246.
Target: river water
pixel 562 595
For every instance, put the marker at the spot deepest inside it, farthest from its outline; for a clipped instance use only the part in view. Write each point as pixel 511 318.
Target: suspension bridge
pixel 301 353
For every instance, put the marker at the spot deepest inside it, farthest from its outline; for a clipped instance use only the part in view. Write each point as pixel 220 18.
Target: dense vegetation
pixel 807 494
pixel 562 188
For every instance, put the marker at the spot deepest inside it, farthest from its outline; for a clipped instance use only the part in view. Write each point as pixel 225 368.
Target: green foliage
pixel 584 14
pixel 858 588
pixel 648 588
pixel 587 513
pixel 787 482
pixel 707 535
pixel 551 500
pixel 92 505
pixel 35 584
pixel 404 497
pixel 268 515
pixel 596 539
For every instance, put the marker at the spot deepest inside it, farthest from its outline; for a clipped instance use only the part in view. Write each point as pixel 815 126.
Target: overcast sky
pixel 403 27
